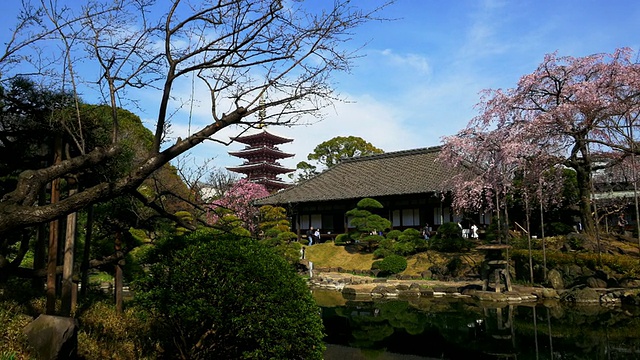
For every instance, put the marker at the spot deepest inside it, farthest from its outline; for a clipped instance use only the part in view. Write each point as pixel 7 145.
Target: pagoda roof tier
pixel 262 135
pixel 273 183
pixel 266 166
pixel 263 150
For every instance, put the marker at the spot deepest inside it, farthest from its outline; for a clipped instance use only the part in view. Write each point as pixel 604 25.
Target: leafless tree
pixel 242 51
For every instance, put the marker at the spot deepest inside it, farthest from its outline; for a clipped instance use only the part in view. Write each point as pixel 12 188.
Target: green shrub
pixel 394 234
pixel 392 264
pixel 450 245
pixel 105 334
pixel 449 239
pixel 576 242
pixel 231 298
pixel 380 253
pixel 369 203
pixel 449 230
pixel 384 249
pixel 410 234
pixel 342 239
pixel 404 248
pixel 13 319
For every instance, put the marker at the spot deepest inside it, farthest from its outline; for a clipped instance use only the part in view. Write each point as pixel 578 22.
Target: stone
pixel 414 286
pixel 426 292
pixel 630 283
pixel 554 278
pixel 573 271
pixel 609 298
pixel 53 337
pixel 577 295
pixel 381 289
pixel 547 293
pixel 596 283
pixel 426 274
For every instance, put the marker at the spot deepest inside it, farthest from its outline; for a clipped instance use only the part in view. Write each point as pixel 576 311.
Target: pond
pixel 443 328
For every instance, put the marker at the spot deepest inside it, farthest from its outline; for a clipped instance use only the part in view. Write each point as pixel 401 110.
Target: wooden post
pixel 52 262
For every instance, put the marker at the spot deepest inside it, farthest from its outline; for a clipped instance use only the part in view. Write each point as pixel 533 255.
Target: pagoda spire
pixel 262 113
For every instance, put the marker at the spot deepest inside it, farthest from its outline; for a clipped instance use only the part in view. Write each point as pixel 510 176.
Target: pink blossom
pixel 239 201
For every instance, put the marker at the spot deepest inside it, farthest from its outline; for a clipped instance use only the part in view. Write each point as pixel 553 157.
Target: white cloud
pixel 414 62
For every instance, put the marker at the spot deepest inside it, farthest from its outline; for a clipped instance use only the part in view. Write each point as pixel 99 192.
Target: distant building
pixel 261 159
pixel 409 184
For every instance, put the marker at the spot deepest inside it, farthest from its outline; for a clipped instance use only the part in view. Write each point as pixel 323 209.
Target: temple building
pixel 261 156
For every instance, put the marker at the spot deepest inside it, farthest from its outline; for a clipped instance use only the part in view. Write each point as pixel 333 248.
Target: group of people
pixel 313 235
pixel 471 232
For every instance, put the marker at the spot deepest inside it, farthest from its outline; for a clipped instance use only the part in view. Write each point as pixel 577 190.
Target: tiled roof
pixel 263 134
pixel 394 173
pixel 254 151
pixel 266 166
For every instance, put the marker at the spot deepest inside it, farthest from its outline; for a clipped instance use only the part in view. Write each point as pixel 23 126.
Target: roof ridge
pixel 393 154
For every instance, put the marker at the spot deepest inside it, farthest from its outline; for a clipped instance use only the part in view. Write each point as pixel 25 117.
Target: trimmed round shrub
pixel 394 234
pixel 449 230
pixel 449 239
pixel 404 248
pixel 391 264
pixel 342 239
pixel 231 298
pixel 380 253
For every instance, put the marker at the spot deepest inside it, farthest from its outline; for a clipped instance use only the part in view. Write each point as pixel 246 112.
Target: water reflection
pixel 452 329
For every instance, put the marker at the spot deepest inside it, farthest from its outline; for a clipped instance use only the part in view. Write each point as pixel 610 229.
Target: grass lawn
pixel 329 255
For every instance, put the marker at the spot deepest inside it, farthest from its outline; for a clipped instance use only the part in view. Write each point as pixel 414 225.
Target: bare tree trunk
pixel 635 181
pixel 528 217
pixel 544 243
pixel 585 190
pixel 87 253
pixel 67 268
pixel 53 236
pixel 498 216
pixel 118 275
pixel 40 249
pixel 506 225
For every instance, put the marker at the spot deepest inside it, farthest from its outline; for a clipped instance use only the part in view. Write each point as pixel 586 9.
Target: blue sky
pixel 420 74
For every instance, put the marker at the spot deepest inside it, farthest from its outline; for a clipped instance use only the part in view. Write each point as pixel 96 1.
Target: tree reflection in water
pixel 456 329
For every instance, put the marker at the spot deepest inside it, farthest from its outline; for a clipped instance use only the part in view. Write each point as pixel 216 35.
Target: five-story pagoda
pixel 261 156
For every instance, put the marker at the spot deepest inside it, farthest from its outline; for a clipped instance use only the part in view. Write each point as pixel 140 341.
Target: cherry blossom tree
pixel 486 171
pixel 570 109
pixel 238 201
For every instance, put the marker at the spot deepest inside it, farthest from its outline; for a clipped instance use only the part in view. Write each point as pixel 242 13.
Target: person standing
pixel 426 231
pixel 310 235
pixel 622 224
pixel 474 231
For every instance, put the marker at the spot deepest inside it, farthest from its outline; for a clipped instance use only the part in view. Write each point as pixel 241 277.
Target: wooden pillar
pixel 52 262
